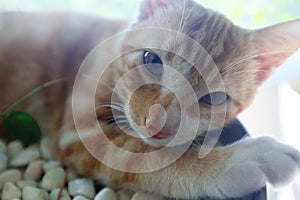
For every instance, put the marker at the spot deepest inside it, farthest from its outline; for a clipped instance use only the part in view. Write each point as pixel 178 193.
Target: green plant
pixel 21 124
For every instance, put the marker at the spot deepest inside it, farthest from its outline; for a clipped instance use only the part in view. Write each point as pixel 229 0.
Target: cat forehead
pixel 207 27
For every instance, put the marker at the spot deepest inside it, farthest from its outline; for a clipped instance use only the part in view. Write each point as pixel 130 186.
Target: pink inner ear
pixel 274 45
pixel 149 6
pixel 265 69
pixel 268 63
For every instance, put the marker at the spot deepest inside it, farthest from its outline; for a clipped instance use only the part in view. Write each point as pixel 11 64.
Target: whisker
pixel 110 120
pixel 181 24
pixel 246 58
pixel 116 107
pixel 126 128
pixel 111 103
pixel 180 28
pixel 119 117
pixel 122 122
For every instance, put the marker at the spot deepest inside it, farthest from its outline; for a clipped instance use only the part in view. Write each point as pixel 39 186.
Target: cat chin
pixel 170 141
pixel 157 143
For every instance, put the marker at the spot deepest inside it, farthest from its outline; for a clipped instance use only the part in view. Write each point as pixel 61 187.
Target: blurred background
pixel 250 14
pixel 276 110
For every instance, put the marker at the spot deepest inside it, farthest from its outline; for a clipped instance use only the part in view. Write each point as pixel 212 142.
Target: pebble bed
pixel 28 173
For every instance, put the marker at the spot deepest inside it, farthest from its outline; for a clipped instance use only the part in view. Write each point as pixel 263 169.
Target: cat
pixel 212 66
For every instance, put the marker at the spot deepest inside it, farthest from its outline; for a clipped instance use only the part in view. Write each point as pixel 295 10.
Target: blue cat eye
pixel 153 63
pixel 214 99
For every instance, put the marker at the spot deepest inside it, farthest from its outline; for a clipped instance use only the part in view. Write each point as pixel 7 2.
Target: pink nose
pixel 156 120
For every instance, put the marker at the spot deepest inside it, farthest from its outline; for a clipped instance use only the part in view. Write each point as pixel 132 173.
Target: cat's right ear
pixel 148 7
pixel 274 45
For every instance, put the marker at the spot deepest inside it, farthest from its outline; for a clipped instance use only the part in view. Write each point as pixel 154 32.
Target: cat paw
pixel 253 162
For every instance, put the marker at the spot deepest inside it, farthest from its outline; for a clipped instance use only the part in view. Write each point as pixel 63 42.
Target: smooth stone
pixel 3 147
pixel 125 194
pixel 23 183
pixel 50 165
pixel 10 191
pixel 30 193
pixel 11 175
pixel 3 161
pixel 64 194
pixel 53 178
pixel 80 198
pixel 106 194
pixel 45 148
pixel 34 170
pixel 14 148
pixel 84 187
pixel 72 175
pixel 25 157
pixel 146 196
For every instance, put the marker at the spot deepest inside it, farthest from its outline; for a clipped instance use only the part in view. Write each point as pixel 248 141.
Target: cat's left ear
pixel 274 45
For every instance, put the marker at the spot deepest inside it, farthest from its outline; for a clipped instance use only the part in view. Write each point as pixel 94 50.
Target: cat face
pixel 194 67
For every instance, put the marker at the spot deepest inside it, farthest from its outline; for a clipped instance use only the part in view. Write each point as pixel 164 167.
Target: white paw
pixel 253 162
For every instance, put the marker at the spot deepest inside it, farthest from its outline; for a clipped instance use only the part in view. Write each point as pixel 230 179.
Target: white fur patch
pixel 255 162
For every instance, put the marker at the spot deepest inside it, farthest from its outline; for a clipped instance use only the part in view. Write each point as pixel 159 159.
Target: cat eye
pixel 153 63
pixel 215 99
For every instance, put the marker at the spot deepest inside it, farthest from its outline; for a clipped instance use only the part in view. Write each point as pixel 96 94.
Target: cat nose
pixel 156 119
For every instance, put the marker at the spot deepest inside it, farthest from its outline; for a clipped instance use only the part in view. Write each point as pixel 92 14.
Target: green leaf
pixel 23 126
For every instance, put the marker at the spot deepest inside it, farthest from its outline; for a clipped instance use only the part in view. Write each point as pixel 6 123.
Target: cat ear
pixel 148 7
pixel 274 45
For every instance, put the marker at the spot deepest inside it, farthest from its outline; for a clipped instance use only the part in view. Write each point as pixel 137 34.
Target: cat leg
pixel 253 162
pixel 226 172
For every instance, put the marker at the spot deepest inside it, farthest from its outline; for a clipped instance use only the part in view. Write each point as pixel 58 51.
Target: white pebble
pixel 45 148
pixel 125 194
pixel 106 194
pixel 84 187
pixel 30 193
pixel 50 165
pixel 53 178
pixel 23 183
pixel 34 170
pixel 10 191
pixel 80 198
pixel 3 148
pixel 14 148
pixel 11 175
pixel 3 161
pixel 72 175
pixel 146 196
pixel 25 157
pixel 64 195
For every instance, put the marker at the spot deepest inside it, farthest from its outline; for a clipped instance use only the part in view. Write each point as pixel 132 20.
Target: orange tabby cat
pixel 188 65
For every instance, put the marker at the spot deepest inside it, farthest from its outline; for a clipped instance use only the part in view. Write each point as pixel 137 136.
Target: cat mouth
pixel 158 134
pixel 161 135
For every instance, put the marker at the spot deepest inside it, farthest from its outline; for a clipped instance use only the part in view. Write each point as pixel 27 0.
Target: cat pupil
pixel 153 63
pixel 215 99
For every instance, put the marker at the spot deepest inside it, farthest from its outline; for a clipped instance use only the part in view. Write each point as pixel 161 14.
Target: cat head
pixel 222 63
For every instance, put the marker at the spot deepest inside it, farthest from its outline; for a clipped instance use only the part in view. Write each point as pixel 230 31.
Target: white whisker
pixel 181 24
pixel 249 57
pixel 116 107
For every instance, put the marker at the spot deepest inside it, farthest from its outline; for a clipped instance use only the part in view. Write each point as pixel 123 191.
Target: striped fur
pixel 39 47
